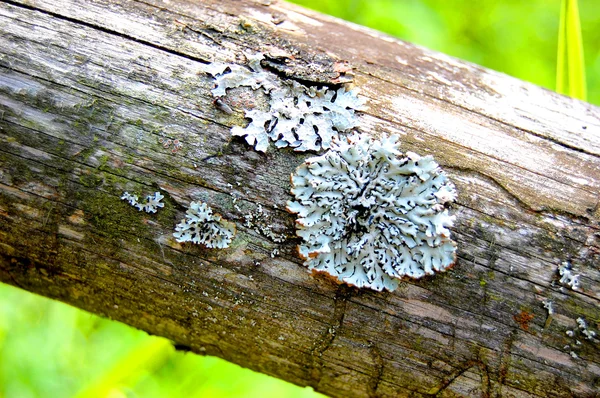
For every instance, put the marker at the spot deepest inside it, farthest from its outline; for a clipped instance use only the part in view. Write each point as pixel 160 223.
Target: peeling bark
pixel 89 89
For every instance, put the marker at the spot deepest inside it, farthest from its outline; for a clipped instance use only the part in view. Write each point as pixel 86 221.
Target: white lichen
pixel 302 117
pixel 132 199
pixel 567 276
pixel 150 205
pixel 549 306
pixel 232 76
pixel 370 215
pixel 202 226
pixel 259 222
pixel 583 327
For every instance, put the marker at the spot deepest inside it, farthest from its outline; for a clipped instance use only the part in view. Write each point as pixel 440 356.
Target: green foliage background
pixel 51 350
pixel 511 36
pixel 48 349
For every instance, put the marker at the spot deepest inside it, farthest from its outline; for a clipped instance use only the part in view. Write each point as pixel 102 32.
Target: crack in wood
pixel 468 170
pixel 485 385
pixel 504 363
pixel 326 339
pixel 377 376
pixel 446 382
pixel 486 381
pixel 199 32
pixel 277 67
pixel 537 174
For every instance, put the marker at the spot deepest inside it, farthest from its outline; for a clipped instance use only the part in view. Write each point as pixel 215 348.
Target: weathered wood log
pixel 89 89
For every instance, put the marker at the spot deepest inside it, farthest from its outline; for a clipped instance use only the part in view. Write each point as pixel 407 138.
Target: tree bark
pixel 91 89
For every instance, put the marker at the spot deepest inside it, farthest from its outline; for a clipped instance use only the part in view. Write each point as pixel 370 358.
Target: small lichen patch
pixel 232 76
pixel 549 306
pixel 567 276
pixel 583 327
pixel 259 222
pixel 298 116
pixel 370 215
pixel 132 199
pixel 584 333
pixel 150 205
pixel 202 226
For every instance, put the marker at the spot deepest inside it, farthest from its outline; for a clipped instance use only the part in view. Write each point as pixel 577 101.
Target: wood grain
pixel 87 90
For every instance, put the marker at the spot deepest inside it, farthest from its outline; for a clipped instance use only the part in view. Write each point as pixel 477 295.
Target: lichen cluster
pixel 202 226
pixel 370 215
pixel 585 330
pixel 567 276
pixel 304 118
pixel 150 205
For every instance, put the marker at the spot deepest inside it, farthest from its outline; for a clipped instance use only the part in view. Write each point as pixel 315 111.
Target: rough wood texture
pixel 87 89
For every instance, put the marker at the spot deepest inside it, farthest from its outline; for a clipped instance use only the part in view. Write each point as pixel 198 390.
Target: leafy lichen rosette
pixel 151 205
pixel 370 215
pixel 202 226
pixel 298 116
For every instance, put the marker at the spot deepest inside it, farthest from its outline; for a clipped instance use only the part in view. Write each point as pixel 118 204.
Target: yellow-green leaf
pixel 570 68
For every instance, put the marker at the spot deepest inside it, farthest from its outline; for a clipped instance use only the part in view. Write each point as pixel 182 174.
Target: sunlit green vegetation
pixel 516 37
pixel 570 66
pixel 48 349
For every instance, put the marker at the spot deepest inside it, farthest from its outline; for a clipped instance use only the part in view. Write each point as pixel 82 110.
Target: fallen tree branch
pixel 91 92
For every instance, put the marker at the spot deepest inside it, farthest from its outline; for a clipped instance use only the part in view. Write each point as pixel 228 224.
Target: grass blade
pixel 570 67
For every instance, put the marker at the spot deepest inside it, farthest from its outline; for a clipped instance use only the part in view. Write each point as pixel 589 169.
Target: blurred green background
pixel 52 350
pixel 516 37
pixel 49 349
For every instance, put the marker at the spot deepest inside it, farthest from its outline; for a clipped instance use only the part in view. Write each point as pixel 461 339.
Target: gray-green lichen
pixel 301 117
pixel 370 215
pixel 202 226
pixel 150 205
